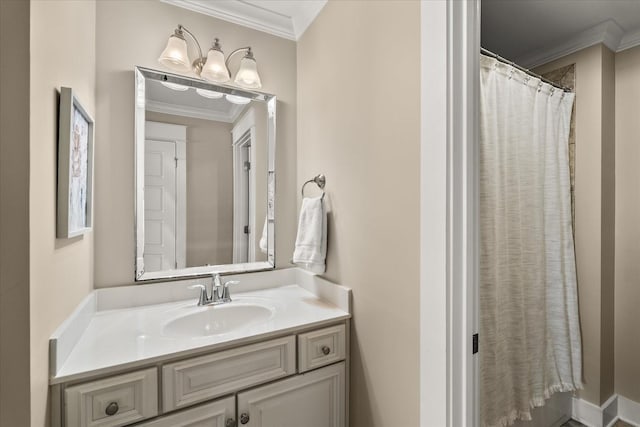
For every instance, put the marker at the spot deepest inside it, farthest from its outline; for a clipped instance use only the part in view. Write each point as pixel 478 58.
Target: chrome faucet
pixel 219 291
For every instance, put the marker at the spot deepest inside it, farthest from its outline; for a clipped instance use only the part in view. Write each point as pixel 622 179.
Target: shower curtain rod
pixel 531 73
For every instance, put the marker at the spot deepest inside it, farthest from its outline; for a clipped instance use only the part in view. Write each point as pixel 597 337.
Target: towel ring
pixel 320 181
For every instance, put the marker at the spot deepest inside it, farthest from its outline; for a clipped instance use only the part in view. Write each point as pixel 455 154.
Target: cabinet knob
pixel 244 418
pixel 230 423
pixel 325 349
pixel 111 409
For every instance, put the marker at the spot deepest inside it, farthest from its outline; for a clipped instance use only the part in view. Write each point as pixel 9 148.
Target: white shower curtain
pixel 530 335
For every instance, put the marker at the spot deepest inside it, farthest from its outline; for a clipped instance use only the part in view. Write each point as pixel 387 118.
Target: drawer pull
pixel 112 409
pixel 230 422
pixel 325 349
pixel 244 418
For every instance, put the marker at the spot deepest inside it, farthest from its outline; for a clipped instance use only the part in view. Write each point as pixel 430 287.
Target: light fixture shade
pixel 211 94
pixel 214 69
pixel 175 56
pixel 247 75
pixel 235 99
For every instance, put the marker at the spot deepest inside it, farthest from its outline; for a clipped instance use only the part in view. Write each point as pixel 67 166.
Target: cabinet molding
pixel 198 379
pixel 321 347
pixel 113 401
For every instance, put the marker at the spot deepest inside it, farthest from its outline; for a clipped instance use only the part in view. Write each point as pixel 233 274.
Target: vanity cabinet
pixel 293 380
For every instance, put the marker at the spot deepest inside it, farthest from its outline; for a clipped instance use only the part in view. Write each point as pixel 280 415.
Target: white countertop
pixel 121 338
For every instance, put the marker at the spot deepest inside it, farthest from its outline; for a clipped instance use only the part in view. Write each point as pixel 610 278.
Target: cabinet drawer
pixel 202 378
pixel 321 347
pixel 214 414
pixel 113 401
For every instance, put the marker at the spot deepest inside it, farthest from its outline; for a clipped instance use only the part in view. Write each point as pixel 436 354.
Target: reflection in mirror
pixel 204 177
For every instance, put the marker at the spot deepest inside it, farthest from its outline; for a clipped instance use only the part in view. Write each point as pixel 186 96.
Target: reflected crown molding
pixel 608 33
pixel 286 19
pixel 194 112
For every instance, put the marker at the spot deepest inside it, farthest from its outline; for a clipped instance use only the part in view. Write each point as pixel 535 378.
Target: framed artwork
pixel 75 167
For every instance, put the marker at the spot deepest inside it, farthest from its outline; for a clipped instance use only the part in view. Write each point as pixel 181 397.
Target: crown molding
pixel 630 39
pixel 262 17
pixel 194 112
pixel 609 33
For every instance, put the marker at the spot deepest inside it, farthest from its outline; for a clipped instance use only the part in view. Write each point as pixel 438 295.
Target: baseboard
pixel 587 413
pixel 628 410
pixel 615 408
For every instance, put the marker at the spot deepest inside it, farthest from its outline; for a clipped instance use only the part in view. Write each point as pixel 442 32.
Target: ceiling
pixel 529 31
pixel 283 18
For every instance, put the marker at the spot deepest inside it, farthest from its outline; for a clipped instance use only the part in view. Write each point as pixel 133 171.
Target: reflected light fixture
pixel 213 67
pixel 235 99
pixel 208 93
pixel 174 86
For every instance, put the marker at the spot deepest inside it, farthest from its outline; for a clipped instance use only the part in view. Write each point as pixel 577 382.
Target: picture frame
pixel 75 167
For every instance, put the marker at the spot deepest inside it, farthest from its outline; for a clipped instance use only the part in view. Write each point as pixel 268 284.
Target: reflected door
pixel 160 205
pixel 165 205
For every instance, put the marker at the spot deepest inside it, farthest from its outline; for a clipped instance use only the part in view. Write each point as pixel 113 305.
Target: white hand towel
pixel 263 238
pixel 311 243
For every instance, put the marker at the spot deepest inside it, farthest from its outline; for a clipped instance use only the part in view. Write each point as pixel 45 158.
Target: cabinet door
pixel 313 399
pixel 220 413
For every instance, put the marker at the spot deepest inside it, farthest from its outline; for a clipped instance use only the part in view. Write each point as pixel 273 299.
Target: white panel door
pixel 313 399
pixel 159 205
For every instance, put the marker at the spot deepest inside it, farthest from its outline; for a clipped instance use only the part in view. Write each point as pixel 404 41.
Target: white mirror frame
pixel 141 74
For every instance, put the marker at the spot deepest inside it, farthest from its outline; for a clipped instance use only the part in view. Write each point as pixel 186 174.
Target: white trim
pixel 448 265
pixel 630 39
pixel 244 243
pixel 181 204
pixel 608 33
pixel 434 400
pixel 628 410
pixel 259 17
pixel 616 407
pixel 587 413
pixel 194 112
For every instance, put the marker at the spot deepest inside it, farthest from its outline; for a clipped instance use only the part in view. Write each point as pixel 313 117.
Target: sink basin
pixel 215 320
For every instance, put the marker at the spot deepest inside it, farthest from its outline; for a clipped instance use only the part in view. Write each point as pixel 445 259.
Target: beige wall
pixel 627 263
pixel 209 188
pixel 594 188
pixel 359 124
pixel 134 33
pixel 14 214
pixel 61 270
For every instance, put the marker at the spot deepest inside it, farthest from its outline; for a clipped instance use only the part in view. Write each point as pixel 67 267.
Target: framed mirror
pixel 204 177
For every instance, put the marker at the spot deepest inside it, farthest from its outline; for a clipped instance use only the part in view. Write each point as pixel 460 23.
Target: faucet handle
pixel 203 294
pixel 226 295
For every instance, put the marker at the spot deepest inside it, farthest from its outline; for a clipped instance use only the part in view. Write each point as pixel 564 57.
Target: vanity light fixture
pixel 213 67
